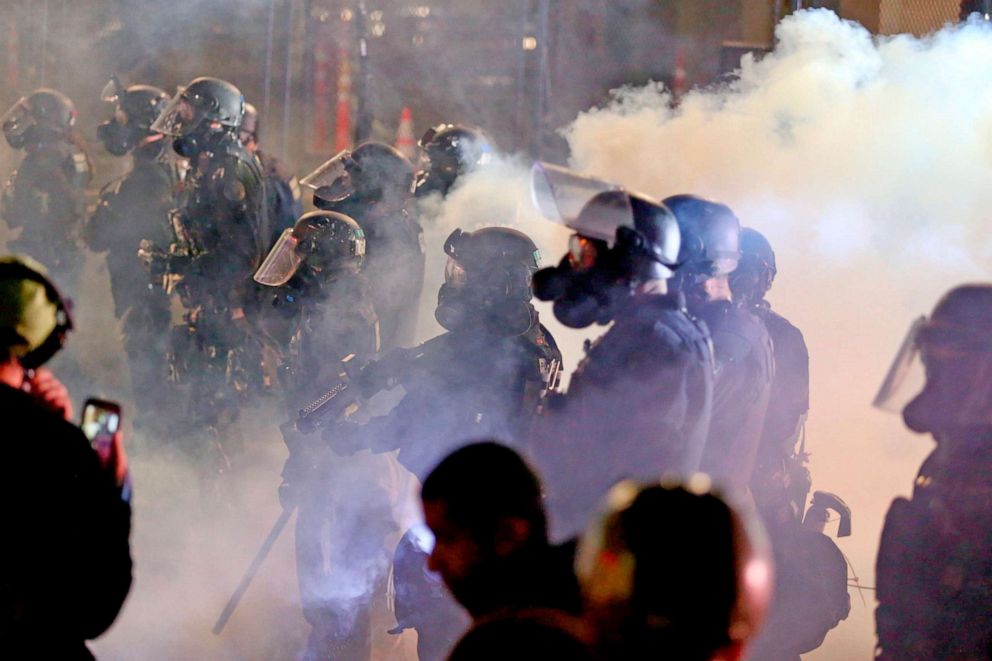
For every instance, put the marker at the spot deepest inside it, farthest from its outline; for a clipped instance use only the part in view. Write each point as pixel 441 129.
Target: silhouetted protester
pixel 934 569
pixel 45 195
pixel 639 403
pixel 673 571
pixel 483 504
pixel 65 565
pixel 742 348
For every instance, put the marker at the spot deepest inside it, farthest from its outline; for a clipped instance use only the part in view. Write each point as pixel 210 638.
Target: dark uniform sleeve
pixel 240 216
pixel 46 193
pixel 745 370
pixel 99 231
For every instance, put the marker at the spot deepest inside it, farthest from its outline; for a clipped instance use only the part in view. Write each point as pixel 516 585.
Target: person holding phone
pixel 65 564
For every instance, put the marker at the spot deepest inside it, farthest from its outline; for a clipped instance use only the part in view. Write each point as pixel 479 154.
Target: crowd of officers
pixel 696 376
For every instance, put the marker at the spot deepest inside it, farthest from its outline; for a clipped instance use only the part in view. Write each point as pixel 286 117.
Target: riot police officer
pixel 654 365
pixel 450 151
pixel 811 593
pixel 221 234
pixel 484 377
pixel 934 569
pixel 45 196
pixel 282 187
pixel 132 209
pixel 780 481
pixel 742 348
pixel 372 184
pixel 321 296
pixel 319 311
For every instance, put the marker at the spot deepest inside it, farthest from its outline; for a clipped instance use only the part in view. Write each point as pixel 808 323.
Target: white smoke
pixel 841 143
pixel 867 162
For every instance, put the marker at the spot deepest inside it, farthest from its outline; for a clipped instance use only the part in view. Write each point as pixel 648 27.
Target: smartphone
pixel 101 420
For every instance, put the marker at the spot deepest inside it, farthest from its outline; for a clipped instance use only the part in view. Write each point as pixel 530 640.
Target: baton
pixel 253 568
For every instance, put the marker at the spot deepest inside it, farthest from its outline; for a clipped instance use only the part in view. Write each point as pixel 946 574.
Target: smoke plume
pixel 867 162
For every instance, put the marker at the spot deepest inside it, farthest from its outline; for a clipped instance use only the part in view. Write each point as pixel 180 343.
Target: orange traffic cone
pixel 342 122
pixel 404 135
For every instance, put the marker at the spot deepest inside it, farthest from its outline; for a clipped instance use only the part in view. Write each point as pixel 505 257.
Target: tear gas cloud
pixel 867 162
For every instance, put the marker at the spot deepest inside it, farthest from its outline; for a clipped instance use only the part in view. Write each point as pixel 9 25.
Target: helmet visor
pixel 112 91
pixel 906 376
pixel 332 180
pixel 600 217
pixel 560 193
pixel 281 263
pixel 17 119
pixel 179 116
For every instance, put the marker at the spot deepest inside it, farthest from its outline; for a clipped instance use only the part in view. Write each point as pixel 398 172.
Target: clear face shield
pixel 906 376
pixel 941 378
pixel 112 91
pixel 593 208
pixel 179 117
pixel 560 194
pixel 332 181
pixel 282 262
pixel 17 119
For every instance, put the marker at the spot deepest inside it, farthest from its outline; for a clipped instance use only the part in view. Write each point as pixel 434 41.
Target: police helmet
pixel 43 111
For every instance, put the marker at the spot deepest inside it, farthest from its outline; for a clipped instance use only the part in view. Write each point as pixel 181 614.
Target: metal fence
pixel 918 17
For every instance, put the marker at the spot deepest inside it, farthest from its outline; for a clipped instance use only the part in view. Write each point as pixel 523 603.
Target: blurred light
pixel 347 15
pixel 376 15
pixel 378 29
pixel 530 43
pixel 418 40
pixel 422 12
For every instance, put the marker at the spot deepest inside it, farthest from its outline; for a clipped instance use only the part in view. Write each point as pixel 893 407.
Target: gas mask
pixel 117 138
pixel 584 286
pixel 622 240
pixel 19 127
pixel 494 293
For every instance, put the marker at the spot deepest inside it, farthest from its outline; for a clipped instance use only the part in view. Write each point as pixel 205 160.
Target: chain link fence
pixel 918 17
